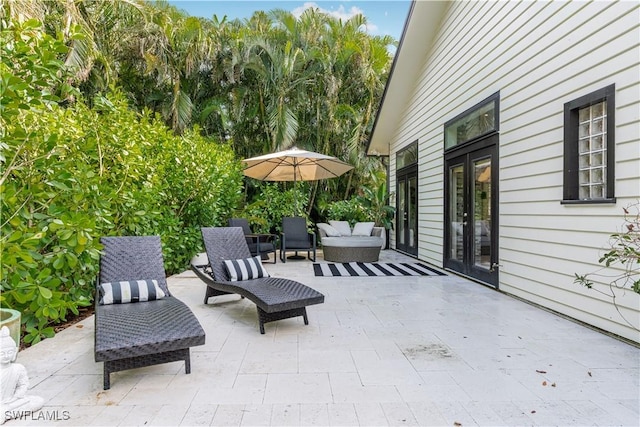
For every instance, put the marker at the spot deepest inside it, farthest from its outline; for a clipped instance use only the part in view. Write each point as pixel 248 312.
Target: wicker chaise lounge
pixel 138 334
pixel 275 298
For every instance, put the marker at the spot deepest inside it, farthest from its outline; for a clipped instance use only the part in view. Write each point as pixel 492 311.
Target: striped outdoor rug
pixel 375 269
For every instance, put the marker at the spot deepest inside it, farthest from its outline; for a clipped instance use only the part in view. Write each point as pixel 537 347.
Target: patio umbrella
pixel 294 165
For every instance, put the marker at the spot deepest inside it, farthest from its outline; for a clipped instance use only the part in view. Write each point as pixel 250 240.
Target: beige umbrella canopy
pixel 294 165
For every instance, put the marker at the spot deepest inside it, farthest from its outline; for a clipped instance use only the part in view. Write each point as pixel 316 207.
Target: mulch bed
pixel 72 319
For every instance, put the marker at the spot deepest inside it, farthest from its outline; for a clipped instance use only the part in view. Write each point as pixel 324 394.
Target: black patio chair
pixel 296 238
pixel 137 334
pixel 259 243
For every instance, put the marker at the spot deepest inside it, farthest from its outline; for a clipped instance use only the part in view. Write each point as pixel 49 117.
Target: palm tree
pixel 94 30
pixel 174 49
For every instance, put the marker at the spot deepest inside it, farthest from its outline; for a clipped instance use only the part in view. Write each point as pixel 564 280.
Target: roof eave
pixel 420 30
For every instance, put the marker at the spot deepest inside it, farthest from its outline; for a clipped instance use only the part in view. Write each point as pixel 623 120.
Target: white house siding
pixel 539 55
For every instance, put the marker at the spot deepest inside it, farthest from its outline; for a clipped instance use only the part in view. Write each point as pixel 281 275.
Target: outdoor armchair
pixel 296 238
pixel 259 243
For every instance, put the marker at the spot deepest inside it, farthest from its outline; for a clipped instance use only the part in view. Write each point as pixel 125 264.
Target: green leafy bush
pixel 271 204
pixel 71 175
pixel 350 210
pixel 370 205
pixel 375 201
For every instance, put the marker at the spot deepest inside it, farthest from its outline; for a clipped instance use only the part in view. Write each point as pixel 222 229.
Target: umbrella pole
pixel 295 207
pixel 295 190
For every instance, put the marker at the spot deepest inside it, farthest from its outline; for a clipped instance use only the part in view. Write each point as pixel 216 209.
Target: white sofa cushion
pixel 328 230
pixel 342 226
pixel 362 229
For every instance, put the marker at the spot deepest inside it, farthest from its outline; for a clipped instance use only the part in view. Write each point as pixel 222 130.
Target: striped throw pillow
pixel 245 269
pixel 130 291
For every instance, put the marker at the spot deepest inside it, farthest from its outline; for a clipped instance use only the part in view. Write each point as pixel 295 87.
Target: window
pixel 407 156
pixel 479 120
pixel 588 148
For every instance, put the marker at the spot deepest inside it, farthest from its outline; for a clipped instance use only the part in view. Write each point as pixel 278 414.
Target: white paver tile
pixel 298 388
pixel 427 414
pixel 247 389
pixel 342 414
pixel 112 415
pixel 348 388
pixel 170 415
pixel 199 415
pixel 371 414
pixel 328 360
pixel 256 415
pixel 228 415
pixel 286 415
pixel 314 414
pixel 399 414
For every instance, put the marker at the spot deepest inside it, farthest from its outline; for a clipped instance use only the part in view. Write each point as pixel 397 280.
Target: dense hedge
pixel 71 174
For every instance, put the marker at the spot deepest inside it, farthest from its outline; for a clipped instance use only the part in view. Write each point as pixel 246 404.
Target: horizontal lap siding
pixel 539 55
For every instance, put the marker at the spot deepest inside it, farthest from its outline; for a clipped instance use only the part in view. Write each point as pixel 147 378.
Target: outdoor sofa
pixel 133 333
pixel 341 243
pixel 232 270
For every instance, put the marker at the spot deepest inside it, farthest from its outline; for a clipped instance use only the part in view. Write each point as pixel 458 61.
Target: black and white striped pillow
pixel 245 269
pixel 130 291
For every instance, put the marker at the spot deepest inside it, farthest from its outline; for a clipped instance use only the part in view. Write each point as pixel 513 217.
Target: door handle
pixel 494 266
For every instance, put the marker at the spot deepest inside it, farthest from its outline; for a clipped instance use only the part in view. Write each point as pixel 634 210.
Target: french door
pixel 407 211
pixel 471 211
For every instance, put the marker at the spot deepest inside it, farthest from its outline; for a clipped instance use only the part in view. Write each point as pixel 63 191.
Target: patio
pixel 380 351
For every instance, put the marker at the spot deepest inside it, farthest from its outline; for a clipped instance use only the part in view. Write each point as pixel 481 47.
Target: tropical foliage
pixel 71 175
pixel 129 117
pixel 263 84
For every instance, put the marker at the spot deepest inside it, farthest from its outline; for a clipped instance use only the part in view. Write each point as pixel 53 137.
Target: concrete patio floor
pixel 380 351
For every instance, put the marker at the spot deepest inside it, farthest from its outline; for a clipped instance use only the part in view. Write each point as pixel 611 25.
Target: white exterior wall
pixel 539 55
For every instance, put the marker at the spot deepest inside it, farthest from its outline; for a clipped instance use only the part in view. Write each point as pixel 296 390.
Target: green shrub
pixel 271 204
pixel 347 210
pixel 71 175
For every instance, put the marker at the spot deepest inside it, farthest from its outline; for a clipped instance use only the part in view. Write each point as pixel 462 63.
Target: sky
pixel 383 16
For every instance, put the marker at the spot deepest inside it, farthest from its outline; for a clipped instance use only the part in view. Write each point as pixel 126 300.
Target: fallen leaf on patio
pixel 541 372
pixel 553 384
pixel 544 383
pixel 533 412
pixel 457 424
pixel 80 326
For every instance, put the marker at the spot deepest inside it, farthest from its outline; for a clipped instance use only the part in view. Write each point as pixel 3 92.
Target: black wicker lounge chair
pixel 146 333
pixel 275 298
pixel 295 237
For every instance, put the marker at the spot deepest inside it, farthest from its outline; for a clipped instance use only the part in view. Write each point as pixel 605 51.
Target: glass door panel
pixel 456 212
pixel 482 213
pixel 402 208
pixel 407 215
pixel 412 214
